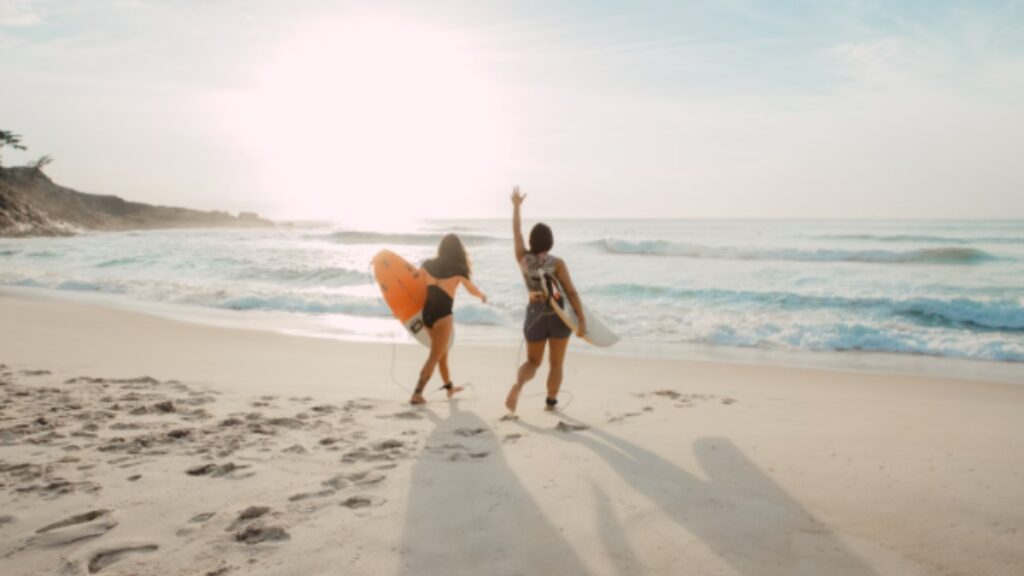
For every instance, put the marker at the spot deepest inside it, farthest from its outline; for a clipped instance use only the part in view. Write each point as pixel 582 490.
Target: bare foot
pixel 417 399
pixel 513 397
pixel 454 390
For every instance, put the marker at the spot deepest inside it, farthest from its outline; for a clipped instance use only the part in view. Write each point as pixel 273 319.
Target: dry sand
pixel 131 444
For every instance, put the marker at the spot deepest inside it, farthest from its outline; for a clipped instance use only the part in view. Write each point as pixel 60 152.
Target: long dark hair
pixel 541 239
pixel 451 259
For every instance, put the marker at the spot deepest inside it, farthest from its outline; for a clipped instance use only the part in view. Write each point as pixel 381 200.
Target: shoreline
pixel 165 447
pixel 311 326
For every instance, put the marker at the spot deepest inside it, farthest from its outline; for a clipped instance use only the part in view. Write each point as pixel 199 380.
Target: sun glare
pixel 371 120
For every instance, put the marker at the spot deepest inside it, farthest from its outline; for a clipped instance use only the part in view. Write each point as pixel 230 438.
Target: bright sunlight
pixel 373 121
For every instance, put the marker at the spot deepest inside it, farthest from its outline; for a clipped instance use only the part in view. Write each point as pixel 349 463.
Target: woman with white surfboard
pixel 548 282
pixel 444 274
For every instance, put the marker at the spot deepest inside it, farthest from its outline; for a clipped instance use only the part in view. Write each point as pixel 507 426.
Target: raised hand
pixel 517 197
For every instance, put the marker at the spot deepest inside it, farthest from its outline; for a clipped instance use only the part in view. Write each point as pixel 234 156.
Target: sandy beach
pixel 131 444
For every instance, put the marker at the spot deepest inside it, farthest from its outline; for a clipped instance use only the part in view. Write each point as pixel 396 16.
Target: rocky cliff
pixel 33 205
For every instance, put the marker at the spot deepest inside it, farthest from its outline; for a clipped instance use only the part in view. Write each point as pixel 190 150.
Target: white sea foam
pixel 944 289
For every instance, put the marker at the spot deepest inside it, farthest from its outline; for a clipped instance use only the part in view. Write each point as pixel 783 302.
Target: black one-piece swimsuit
pixel 439 304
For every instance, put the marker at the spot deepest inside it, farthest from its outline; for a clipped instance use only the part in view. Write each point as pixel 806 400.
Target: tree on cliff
pixel 9 139
pixel 41 163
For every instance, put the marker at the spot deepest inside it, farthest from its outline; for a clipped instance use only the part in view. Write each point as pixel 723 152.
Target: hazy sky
pixel 349 110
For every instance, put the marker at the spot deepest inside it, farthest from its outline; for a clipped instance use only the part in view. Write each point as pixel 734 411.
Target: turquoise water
pixel 953 289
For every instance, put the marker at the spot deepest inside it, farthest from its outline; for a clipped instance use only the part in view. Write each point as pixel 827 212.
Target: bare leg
pixel 442 365
pixel 558 347
pixel 438 346
pixel 534 357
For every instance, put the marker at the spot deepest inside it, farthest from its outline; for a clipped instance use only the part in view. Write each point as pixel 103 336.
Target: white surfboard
pixel 414 326
pixel 597 333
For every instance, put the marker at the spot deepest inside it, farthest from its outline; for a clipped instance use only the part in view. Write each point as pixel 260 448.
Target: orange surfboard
pixel 404 288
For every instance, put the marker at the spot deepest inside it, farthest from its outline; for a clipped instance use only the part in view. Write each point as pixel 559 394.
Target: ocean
pixel 923 289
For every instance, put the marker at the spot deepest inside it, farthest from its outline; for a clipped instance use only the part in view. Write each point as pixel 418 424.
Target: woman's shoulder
pixel 539 258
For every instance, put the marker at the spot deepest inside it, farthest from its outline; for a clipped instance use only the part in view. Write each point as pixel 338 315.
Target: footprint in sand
pixel 85 380
pixel 312 495
pixel 357 405
pixel 456 452
pixel 622 417
pixel 356 502
pixel 336 483
pixel 215 470
pixel 247 515
pixel 255 534
pixel 562 426
pixel 363 454
pixel 86 526
pixel 106 557
pixel 35 372
pixel 366 478
pixel 389 445
pixel 406 415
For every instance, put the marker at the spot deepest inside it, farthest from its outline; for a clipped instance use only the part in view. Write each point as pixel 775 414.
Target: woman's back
pixel 445 277
pixel 537 269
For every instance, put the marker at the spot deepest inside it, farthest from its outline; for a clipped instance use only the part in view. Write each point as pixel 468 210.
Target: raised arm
pixel 517 232
pixel 472 289
pixel 562 274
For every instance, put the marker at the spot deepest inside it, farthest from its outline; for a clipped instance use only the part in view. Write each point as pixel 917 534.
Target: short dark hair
pixel 541 239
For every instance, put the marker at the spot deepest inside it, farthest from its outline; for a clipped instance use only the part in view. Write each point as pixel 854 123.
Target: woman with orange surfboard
pixel 444 274
pixel 543 326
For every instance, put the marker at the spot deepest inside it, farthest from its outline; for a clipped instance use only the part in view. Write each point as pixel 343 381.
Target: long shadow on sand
pixel 467 513
pixel 739 512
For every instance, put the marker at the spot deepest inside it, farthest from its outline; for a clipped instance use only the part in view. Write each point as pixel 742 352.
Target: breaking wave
pixel 945 255
pixel 1003 315
pixel 924 238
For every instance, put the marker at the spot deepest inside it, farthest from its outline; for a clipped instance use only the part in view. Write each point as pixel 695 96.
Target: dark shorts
pixel 542 323
pixel 439 304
